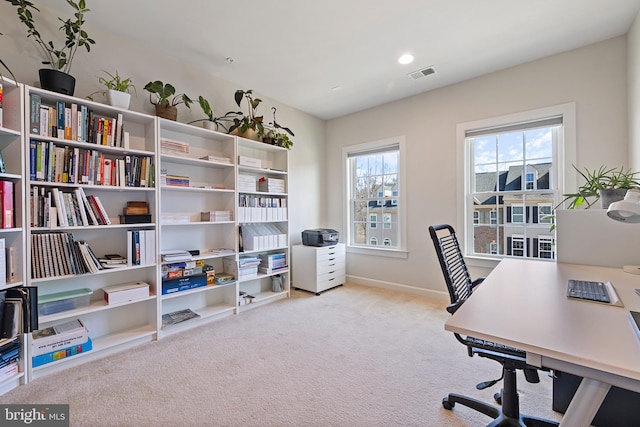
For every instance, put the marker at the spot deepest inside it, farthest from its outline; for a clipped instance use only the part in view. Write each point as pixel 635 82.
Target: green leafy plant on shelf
pixel 249 125
pixel 165 99
pixel 215 122
pixel 276 134
pixel 57 58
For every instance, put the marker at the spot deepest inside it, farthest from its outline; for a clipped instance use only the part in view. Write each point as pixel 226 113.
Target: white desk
pixel 523 304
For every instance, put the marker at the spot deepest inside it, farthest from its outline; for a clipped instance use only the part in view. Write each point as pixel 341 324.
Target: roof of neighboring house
pixel 509 180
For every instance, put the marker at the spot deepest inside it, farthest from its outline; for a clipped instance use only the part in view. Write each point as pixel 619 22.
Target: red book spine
pixel 6 200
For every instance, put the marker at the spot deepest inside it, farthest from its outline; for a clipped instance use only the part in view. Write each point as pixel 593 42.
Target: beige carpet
pixel 353 356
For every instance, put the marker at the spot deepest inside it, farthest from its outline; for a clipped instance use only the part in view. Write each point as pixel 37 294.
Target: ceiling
pixel 334 57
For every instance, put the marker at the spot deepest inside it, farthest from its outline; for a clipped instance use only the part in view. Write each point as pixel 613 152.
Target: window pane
pixel 510 147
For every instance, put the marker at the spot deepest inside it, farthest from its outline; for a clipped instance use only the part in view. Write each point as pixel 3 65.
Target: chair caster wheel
pixel 447 404
pixel 498 398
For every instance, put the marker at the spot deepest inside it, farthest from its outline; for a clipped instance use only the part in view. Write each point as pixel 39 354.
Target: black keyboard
pixel 584 289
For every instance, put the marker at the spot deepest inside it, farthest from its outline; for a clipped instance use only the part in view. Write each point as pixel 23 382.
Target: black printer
pixel 320 237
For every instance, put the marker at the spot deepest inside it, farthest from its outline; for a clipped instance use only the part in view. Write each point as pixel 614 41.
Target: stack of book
pixel 273 263
pixel 174 148
pixel 216 216
pixel 246 183
pixel 113 261
pixel 245 268
pixel 9 358
pixel 59 341
pixel 176 180
pixel 245 298
pixel 218 159
pixel 59 254
pixel 178 317
pixel 271 185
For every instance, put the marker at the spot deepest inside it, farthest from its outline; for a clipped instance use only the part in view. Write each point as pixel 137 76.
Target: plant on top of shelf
pixel 598 184
pixel 118 90
pixel 276 134
pixel 164 97
pixel 250 125
pixel 59 60
pixel 212 122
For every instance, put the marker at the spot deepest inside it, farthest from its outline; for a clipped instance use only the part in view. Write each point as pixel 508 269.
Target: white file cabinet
pixel 316 269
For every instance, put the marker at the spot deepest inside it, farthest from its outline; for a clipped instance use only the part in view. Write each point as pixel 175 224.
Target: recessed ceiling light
pixel 336 88
pixel 407 58
pixel 230 60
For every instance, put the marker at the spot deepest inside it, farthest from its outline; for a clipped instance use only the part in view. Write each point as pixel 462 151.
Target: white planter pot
pixel 209 125
pixel 118 99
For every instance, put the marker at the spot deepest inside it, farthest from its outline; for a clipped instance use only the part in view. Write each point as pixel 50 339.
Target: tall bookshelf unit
pixel 181 217
pixel 263 226
pixel 12 151
pixel 208 162
pixel 111 326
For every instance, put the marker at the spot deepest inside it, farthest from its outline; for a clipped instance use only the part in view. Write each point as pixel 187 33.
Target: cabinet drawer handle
pixel 331 272
pixel 331 259
pixel 333 278
pixel 331 265
pixel 332 253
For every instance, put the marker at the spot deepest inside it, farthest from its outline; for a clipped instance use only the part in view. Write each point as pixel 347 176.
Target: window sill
pixel 391 253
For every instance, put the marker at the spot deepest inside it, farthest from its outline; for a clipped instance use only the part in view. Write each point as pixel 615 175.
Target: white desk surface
pixel 523 304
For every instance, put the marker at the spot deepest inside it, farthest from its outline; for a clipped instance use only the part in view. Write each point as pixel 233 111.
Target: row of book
pixel 75 123
pixel 73 165
pixel 141 247
pixel 59 341
pixel 18 311
pixel 52 207
pixel 59 254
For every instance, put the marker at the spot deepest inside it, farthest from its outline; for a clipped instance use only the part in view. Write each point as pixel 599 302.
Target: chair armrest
pixel 452 308
pixel 477 282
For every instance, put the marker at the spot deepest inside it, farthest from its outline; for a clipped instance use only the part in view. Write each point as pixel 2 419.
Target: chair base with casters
pixel 460 287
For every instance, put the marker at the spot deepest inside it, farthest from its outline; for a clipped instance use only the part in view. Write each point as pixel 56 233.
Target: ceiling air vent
pixel 415 75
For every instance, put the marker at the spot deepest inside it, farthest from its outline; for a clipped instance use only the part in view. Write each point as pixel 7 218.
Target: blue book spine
pixel 83 109
pixel 33 147
pixel 60 110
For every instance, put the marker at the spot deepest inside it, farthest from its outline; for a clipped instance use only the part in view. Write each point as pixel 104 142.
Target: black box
pixel 135 219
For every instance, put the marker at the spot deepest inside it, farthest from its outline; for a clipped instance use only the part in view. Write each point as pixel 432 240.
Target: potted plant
pixel 605 184
pixel 164 97
pixel 117 90
pixel 276 134
pixel 250 125
pixel 212 122
pixel 57 77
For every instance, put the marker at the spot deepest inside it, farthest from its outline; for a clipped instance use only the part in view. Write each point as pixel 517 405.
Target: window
pixel 517 245
pixel 374 178
pixel 545 247
pixel 517 214
pixel 373 220
pixel 476 217
pixel 514 168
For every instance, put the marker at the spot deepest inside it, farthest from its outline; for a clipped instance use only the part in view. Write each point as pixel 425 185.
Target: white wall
pixel 633 49
pixel 112 53
pixel 595 77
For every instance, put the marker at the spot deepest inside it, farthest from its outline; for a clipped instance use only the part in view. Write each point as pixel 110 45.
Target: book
pixel 58 337
pixel 35 102
pixel 124 292
pixel 178 317
pixel 62 353
pixel 6 202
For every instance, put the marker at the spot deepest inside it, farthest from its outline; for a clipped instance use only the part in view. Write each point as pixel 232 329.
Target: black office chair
pixel 461 287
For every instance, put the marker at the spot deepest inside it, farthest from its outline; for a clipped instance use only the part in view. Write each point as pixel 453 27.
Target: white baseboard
pixel 430 293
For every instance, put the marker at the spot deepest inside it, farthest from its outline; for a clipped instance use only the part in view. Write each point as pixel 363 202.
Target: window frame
pixel 565 157
pixel 401 250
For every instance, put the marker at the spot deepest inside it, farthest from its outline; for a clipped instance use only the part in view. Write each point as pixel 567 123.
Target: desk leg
pixel 585 403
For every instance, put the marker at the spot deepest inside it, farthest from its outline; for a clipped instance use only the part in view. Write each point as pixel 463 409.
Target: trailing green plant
pixel 165 95
pixel 599 179
pixel 276 134
pixel 75 36
pixel 208 111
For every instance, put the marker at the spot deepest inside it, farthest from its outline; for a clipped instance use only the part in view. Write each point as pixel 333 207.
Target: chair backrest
pixel 454 269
